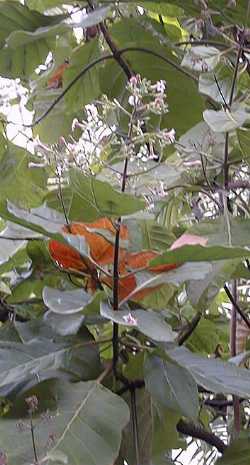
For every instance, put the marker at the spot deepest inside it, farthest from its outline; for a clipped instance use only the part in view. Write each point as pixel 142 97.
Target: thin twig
pixel 33 439
pixel 233 332
pixel 116 276
pixel 114 49
pixel 161 57
pixel 239 310
pixel 192 325
pixel 189 429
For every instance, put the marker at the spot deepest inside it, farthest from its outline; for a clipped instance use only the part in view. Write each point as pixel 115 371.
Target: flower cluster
pixel 147 96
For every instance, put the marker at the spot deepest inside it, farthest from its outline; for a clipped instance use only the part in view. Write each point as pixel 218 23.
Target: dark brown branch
pixel 233 330
pixel 239 310
pixel 192 325
pixel 66 90
pixel 161 57
pixel 114 49
pixel 94 63
pixel 189 429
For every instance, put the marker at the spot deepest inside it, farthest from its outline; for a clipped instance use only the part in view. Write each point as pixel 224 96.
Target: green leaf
pixel 28 37
pixel 87 199
pixel 144 424
pixel 213 374
pixel 64 325
pixel 87 88
pixel 208 85
pixel 65 302
pixel 216 231
pixel 225 120
pixel 87 424
pixel 18 361
pixel 42 220
pixel 165 436
pixel 237 453
pixel 176 277
pixel 9 248
pixel 201 58
pixel 199 253
pixel 202 292
pixel 201 138
pixel 244 143
pixel 165 381
pixel 99 199
pixel 150 323
pixel 18 180
pixel 182 91
pixel 58 122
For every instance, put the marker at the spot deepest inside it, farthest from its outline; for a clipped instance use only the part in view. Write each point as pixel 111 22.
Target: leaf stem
pixel 33 439
pixel 184 335
pixel 189 429
pixel 236 306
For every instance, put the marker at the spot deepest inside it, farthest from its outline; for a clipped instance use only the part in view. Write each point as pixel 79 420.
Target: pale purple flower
pixel 130 319
pixel 160 86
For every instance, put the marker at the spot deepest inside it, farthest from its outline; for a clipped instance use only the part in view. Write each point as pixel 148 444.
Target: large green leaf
pixel 216 231
pixel 150 323
pixel 144 422
pixel 201 58
pixel 184 273
pixel 165 381
pixel 87 423
pixel 19 361
pixel 201 139
pixel 28 37
pixel 231 12
pixel 58 122
pixel 182 91
pixel 213 374
pixel 18 180
pixel 165 435
pixel 65 302
pixel 238 453
pixel 87 199
pixel 225 121
pixel 43 220
pixel 87 88
pixel 199 253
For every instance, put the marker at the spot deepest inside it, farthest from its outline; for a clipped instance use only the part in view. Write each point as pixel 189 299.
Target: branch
pixel 161 57
pixel 184 335
pixel 66 90
pixel 202 42
pixel 236 306
pixel 114 49
pixel 94 63
pixel 189 429
pixel 116 276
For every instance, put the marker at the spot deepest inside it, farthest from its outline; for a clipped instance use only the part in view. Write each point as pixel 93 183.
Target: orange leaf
pixel 101 250
pixel 55 81
pixel 142 259
pixel 65 256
